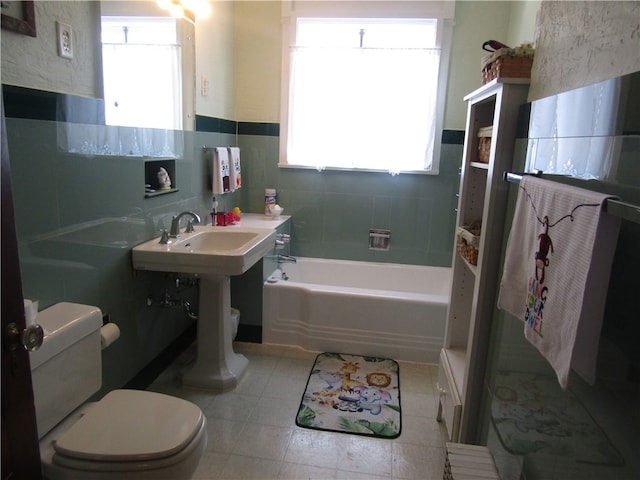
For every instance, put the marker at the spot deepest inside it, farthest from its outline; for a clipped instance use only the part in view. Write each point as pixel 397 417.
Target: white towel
pixel 556 273
pixel 220 170
pixel 235 178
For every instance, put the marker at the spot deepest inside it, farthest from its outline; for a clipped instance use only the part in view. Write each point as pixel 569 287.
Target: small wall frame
pixel 19 17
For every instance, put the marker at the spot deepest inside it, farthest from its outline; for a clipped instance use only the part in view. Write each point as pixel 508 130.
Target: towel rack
pixel 619 208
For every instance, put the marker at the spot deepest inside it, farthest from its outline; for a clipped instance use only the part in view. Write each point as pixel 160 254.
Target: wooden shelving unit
pixel 482 198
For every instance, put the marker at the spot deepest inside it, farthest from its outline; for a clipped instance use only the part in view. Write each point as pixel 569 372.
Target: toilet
pixel 128 434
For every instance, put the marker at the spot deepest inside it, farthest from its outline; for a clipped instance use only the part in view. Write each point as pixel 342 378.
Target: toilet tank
pixel 67 369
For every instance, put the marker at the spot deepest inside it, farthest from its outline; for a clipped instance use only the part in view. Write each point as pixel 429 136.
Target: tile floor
pixel 252 431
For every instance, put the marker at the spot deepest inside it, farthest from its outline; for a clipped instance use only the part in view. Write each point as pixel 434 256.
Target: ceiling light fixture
pixel 188 9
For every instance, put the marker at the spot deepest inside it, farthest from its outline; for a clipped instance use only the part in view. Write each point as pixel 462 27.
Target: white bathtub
pixel 362 308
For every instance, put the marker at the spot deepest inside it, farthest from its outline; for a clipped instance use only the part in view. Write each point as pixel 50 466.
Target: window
pixel 142 72
pixel 363 92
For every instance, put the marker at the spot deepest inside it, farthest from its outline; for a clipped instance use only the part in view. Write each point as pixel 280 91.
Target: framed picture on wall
pixel 19 17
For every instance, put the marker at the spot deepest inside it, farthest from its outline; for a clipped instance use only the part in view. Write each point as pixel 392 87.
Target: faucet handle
pixel 281 240
pixel 189 228
pixel 164 237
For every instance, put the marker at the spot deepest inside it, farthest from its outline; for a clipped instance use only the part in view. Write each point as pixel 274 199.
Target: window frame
pixel 442 11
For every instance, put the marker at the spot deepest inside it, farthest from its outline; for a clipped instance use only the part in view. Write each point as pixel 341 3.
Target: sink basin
pixel 209 250
pixel 218 241
pixel 215 253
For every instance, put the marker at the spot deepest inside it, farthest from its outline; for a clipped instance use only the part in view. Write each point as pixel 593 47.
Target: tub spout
pixel 286 259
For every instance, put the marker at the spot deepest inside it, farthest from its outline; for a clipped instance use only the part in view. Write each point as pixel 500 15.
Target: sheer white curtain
pixel 363 84
pixel 370 108
pixel 573 133
pixel 113 140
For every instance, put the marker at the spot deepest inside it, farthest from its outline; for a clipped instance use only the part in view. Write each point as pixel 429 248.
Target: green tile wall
pixel 332 211
pixel 331 215
pixel 54 190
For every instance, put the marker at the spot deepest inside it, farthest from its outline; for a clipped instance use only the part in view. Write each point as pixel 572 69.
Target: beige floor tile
pixel 409 461
pixel 250 468
pixel 366 455
pixel 415 378
pixel 223 435
pixel 254 381
pixel 285 386
pixel 347 475
pixel 231 406
pixel 424 431
pixel 260 361
pixel 202 398
pixel 418 405
pixel 279 412
pixel 263 441
pixel 317 448
pixel 413 462
pixel 298 471
pixel 252 432
pixel 211 466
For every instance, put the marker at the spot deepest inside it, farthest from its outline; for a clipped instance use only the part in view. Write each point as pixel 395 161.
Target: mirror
pixel 176 58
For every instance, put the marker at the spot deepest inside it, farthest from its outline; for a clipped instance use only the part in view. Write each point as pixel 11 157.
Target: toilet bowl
pixel 128 434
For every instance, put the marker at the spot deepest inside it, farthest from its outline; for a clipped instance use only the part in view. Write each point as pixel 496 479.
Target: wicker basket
pixel 506 64
pixel 467 241
pixel 484 144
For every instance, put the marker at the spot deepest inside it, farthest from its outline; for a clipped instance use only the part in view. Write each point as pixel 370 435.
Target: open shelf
pixel 160 192
pixel 482 201
pixel 457 358
pixel 484 166
pixel 152 187
pixel 473 268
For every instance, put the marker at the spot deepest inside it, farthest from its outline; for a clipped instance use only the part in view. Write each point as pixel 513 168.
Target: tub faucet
pixel 174 232
pixel 286 259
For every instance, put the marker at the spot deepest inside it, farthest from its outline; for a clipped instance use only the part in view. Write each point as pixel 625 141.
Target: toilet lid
pixel 130 425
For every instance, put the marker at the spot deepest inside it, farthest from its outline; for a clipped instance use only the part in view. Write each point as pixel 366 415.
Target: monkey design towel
pixel 556 272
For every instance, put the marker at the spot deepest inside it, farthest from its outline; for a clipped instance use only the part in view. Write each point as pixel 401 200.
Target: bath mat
pixel 532 414
pixel 352 394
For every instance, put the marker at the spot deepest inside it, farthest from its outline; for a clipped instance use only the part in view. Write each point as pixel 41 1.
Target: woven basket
pixel 505 64
pixel 484 144
pixel 467 241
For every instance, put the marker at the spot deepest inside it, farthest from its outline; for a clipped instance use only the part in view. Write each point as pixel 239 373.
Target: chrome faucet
pixel 286 259
pixel 175 223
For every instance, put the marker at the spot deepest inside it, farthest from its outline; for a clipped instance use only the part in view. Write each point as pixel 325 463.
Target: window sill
pixel 356 170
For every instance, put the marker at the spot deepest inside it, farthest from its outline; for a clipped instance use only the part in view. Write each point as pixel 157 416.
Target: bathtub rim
pixel 399 294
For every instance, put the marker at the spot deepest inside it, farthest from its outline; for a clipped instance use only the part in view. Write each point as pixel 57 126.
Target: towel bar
pixel 619 208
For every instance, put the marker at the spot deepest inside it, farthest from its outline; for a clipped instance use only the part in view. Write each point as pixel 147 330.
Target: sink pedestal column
pixel 217 366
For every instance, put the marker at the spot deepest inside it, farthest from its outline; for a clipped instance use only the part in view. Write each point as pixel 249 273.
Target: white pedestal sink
pixel 217 366
pixel 214 254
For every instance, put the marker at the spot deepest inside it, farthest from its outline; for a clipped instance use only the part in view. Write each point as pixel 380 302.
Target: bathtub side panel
pixel 328 318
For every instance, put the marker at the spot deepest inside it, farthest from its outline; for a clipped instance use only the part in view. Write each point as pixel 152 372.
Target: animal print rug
pixel 352 394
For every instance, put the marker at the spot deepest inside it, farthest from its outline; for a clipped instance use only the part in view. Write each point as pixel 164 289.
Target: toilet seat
pixel 131 429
